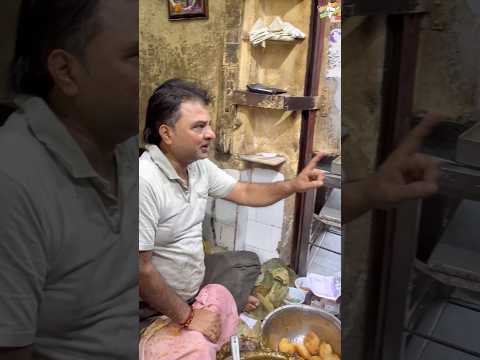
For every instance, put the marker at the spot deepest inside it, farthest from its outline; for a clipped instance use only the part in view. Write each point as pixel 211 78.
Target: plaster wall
pixel 281 65
pixel 214 53
pixel 187 49
pixel 448 70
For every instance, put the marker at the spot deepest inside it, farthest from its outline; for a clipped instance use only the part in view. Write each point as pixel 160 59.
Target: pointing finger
pixel 417 136
pixel 312 164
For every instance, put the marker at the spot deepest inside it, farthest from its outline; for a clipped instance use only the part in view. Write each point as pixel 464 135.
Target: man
pixel 176 179
pixel 68 264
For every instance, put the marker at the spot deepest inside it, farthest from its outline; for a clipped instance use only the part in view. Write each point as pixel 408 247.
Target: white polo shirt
pixel 171 216
pixel 68 249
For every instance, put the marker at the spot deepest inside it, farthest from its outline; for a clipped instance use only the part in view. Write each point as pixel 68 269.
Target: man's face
pixel 108 88
pixel 192 134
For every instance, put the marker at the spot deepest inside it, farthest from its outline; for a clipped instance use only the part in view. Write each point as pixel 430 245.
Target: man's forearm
pixel 258 194
pixel 355 200
pixel 155 291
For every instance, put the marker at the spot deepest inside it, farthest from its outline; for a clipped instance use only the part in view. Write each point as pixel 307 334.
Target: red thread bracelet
pixel 187 322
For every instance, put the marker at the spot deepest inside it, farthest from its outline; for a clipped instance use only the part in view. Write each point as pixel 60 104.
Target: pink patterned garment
pixel 172 343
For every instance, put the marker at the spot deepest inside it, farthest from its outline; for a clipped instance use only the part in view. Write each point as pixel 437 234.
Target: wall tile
pixel 225 235
pixel 226 212
pixel 271 215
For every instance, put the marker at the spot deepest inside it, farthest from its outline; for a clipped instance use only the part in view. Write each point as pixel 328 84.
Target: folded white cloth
pixel 278 30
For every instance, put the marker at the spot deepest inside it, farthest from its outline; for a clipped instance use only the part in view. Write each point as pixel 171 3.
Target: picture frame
pixel 187 9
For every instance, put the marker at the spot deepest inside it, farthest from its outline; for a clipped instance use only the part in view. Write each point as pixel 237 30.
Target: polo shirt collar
pixel 49 130
pixel 162 162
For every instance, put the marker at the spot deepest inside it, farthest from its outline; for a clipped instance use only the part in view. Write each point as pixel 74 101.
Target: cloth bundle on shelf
pixel 278 30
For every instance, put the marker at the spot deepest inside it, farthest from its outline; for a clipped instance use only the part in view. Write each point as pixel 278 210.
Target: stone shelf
pixel 277 102
pixel 246 37
pixel 269 161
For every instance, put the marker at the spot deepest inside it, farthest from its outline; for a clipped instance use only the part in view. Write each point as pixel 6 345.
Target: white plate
pixel 267 155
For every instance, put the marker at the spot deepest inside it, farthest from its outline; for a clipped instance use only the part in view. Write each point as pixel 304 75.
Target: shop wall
pixel 257 130
pixel 448 71
pixel 187 49
pixel 329 120
pixel 215 54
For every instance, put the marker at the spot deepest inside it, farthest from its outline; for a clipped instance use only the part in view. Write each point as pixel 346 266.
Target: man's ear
pixel 64 69
pixel 165 133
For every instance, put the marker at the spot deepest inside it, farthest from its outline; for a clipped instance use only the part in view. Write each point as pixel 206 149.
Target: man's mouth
pixel 205 147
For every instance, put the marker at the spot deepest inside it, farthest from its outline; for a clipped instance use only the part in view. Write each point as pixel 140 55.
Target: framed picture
pixel 187 9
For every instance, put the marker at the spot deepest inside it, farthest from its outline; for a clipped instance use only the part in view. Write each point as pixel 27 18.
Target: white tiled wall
pixel 224 214
pixel 260 229
pixel 245 228
pixel 225 235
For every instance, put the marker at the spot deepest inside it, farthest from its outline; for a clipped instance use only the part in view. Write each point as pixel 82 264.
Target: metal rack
pixel 325 240
pixel 441 322
pixel 431 337
pixel 433 306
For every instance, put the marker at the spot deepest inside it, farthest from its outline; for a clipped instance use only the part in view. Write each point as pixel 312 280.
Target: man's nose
pixel 209 134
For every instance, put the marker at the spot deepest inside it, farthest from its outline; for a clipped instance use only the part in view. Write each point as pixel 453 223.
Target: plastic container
pixel 302 283
pixel 294 297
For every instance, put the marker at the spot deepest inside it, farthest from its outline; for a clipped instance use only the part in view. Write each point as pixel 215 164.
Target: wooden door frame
pixel 305 202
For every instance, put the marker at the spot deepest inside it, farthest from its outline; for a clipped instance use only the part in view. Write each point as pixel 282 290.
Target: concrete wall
pixel 213 53
pixel 282 65
pixel 448 70
pixel 188 49
pixel 328 122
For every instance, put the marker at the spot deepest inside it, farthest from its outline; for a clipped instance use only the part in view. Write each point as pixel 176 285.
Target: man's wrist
pixel 188 320
pixel 370 191
pixel 292 186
